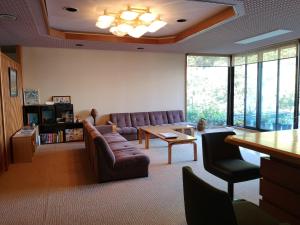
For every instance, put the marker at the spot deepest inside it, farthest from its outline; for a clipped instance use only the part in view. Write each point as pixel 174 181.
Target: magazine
pixel 169 135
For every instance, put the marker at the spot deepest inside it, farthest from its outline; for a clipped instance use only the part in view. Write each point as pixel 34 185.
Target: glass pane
pixel 286 93
pixel 269 89
pixel 239 95
pixel 207 95
pixel 239 60
pixel 207 61
pixel 252 58
pixel 270 55
pixel 251 96
pixel 288 52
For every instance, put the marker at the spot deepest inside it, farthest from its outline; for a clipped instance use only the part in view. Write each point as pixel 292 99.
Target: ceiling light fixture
pixel 181 20
pixel 5 16
pixel 263 36
pixel 70 9
pixel 134 22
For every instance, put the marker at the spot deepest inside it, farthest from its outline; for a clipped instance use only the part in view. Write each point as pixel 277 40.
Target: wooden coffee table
pixel 180 139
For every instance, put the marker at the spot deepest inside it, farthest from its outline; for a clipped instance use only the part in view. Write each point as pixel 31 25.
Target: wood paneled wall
pixel 11 108
pixel 2 150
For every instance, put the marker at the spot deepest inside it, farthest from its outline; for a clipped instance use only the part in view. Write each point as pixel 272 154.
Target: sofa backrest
pixel 121 119
pixel 175 116
pixel 98 149
pixel 140 119
pixel 158 118
pixel 104 151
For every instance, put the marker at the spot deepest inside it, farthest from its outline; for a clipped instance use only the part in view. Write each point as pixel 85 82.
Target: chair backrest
pixel 204 204
pixel 215 148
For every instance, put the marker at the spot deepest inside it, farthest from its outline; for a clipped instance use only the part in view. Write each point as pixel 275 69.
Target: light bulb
pixel 147 17
pixel 129 15
pixel 138 31
pixel 105 21
pixel 156 25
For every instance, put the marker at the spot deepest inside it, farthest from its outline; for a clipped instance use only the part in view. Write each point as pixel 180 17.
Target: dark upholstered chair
pixel 225 160
pixel 206 205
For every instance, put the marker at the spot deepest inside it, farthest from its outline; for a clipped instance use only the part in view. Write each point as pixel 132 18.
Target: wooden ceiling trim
pixel 218 18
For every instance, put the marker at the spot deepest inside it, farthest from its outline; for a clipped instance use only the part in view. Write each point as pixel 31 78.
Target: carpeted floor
pixel 57 188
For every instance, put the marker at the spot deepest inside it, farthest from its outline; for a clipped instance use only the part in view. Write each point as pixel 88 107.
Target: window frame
pixel 230 85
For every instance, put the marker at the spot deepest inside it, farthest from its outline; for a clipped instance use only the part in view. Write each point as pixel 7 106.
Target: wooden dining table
pixel 280 182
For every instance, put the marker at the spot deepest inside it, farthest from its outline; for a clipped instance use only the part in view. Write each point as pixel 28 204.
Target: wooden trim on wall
pixel 11 107
pixel 210 22
pixel 3 138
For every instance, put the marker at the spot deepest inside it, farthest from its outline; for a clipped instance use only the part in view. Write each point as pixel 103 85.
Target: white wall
pixel 110 81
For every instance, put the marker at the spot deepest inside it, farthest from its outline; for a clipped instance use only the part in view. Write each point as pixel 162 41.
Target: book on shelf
pixel 169 135
pixel 75 134
pixel 49 138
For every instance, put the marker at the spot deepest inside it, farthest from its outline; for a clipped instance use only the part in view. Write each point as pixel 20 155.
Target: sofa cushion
pixel 125 145
pixel 126 130
pixel 175 116
pixel 121 119
pixel 158 118
pixel 140 119
pixel 103 129
pixel 130 158
pixel 113 137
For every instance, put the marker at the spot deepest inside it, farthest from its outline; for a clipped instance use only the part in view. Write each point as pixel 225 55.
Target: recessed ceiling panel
pixel 89 10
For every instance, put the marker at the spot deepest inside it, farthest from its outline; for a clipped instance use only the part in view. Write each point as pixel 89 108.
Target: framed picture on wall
pixel 31 97
pixel 61 99
pixel 13 82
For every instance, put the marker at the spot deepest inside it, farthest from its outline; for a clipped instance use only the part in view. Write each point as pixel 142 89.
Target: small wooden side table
pixel 24 144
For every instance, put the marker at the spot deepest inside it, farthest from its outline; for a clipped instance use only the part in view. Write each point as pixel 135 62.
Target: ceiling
pixel 255 17
pixel 169 10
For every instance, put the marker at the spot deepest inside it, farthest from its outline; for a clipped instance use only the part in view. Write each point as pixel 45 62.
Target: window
pixel 207 87
pixel 266 82
pixel 251 95
pixel 239 95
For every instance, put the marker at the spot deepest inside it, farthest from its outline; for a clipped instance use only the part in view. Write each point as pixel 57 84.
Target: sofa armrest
pixel 103 129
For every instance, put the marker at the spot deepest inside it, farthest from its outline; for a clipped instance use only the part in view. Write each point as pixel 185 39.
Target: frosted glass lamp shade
pixel 105 21
pixel 156 25
pixel 138 31
pixel 147 17
pixel 129 15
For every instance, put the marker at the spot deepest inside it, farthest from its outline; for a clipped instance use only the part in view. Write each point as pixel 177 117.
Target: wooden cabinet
pixel 24 145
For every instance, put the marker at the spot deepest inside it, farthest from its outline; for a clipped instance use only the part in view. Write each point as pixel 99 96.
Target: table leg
pixel 169 153
pixel 140 135
pixel 147 137
pixel 193 132
pixel 195 151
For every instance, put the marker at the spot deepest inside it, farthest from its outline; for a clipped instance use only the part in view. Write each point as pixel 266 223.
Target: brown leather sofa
pixel 128 123
pixel 112 157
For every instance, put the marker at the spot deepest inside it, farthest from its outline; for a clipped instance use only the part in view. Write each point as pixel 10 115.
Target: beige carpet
pixel 57 188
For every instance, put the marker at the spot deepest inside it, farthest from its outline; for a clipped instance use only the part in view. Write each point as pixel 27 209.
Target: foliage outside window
pixel 277 81
pixel 207 81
